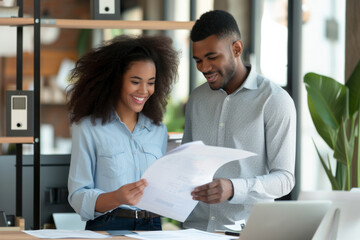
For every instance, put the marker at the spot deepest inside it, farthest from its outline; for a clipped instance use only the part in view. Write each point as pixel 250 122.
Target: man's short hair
pixel 218 22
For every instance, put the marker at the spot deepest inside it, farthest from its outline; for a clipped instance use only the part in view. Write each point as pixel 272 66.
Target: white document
pixel 187 234
pixel 173 177
pixel 53 233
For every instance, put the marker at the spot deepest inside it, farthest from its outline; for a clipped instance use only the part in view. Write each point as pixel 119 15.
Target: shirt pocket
pixel 112 164
pixel 152 152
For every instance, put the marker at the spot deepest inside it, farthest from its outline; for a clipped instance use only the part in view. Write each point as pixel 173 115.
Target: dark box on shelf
pixel 19 113
pixel 105 9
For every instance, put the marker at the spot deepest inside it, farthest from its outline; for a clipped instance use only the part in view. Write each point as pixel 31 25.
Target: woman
pixel 116 102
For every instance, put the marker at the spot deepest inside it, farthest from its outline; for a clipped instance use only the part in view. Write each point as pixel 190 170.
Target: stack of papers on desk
pixel 53 233
pixel 187 234
pixel 172 177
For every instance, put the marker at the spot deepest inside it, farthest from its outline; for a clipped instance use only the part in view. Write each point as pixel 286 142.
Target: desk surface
pixel 16 235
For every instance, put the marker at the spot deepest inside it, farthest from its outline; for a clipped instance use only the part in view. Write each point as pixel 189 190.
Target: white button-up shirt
pixel 259 117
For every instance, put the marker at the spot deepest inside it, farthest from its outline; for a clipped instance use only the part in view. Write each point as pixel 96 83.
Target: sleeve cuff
pixel 89 203
pixel 240 191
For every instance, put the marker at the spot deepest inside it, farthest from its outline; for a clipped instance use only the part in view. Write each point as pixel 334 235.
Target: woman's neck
pixel 129 118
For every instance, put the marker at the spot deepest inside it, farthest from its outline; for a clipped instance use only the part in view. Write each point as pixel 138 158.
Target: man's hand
pixel 216 191
pixel 130 194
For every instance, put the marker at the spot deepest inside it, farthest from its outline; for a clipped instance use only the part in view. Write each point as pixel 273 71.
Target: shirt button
pixel 227 99
pixel 131 138
pixel 212 218
pixel 134 152
pixel 137 169
pixel 222 124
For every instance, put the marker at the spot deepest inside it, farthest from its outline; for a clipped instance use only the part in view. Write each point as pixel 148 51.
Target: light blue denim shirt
pixel 106 157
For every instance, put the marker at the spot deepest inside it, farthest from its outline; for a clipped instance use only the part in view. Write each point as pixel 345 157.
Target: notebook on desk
pixel 283 220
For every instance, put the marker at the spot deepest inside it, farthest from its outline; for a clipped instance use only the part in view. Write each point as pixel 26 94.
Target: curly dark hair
pixel 218 22
pixel 96 80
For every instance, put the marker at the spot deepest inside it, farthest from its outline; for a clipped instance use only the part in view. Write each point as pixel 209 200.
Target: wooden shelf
pixel 101 24
pixel 16 21
pixel 116 24
pixel 16 140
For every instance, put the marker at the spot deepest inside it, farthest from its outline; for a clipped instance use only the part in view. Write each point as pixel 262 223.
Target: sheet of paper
pixel 172 177
pixel 54 233
pixel 187 234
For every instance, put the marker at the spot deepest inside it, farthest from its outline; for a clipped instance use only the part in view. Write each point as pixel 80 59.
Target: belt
pixel 127 213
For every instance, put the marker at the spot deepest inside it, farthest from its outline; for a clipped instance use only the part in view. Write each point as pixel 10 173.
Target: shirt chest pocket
pixel 152 152
pixel 112 164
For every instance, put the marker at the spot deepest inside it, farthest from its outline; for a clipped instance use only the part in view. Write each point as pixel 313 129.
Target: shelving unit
pixel 37 22
pixel 19 23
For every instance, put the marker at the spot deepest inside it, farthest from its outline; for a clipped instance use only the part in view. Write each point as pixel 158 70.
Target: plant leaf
pixel 358 149
pixel 344 146
pixel 353 83
pixel 340 175
pixel 327 133
pixel 330 98
pixel 333 181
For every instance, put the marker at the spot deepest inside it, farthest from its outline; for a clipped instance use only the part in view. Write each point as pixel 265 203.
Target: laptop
pixel 68 221
pixel 342 221
pixel 283 220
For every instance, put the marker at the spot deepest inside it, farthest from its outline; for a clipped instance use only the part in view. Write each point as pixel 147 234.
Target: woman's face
pixel 138 86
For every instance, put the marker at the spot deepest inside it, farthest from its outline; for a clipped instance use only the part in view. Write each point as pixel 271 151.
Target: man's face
pixel 214 58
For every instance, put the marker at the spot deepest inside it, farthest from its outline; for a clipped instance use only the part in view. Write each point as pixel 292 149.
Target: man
pixel 237 108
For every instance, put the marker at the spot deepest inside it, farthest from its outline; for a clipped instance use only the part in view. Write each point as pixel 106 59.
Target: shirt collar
pixel 114 116
pixel 250 81
pixel 143 121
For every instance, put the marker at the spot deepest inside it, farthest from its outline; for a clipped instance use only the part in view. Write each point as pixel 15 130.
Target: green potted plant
pixel 334 109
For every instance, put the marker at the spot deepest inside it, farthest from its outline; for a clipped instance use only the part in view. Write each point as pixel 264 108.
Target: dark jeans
pixel 112 222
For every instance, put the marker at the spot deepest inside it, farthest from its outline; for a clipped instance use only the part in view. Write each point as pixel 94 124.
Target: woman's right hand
pixel 130 194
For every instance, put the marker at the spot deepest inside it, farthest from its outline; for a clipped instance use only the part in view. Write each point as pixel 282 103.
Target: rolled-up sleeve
pixel 82 194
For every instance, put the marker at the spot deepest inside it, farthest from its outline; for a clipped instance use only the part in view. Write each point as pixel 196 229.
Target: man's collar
pixel 250 81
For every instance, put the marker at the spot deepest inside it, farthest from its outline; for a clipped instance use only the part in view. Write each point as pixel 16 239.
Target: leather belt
pixel 127 213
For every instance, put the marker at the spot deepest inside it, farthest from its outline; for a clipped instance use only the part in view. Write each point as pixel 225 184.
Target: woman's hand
pixel 129 194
